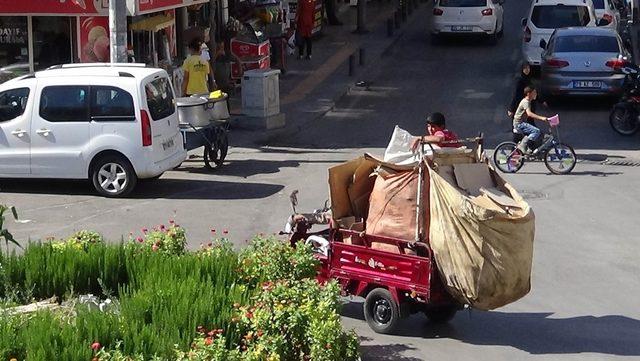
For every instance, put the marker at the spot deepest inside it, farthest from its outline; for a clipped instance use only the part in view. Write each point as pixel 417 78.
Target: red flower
pixel 248 314
pixel 145 230
pixel 139 239
pixel 95 346
pixel 162 227
pixel 211 333
pixel 208 341
pixel 260 333
pixel 226 231
pixel 213 231
pixel 171 221
pixel 209 244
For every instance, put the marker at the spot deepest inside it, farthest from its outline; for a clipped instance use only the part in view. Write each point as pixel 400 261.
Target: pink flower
pixel 171 221
pixel 208 341
pixel 155 247
pixel 226 231
pixel 210 244
pixel 95 346
pixel 145 230
pixel 139 239
pixel 213 231
pixel 162 227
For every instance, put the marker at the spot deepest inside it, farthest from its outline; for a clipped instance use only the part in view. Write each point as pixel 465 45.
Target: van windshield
pixel 463 3
pixel 160 98
pixel 560 16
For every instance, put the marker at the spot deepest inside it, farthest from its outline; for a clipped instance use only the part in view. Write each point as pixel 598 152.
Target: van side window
pixel 13 103
pixel 66 103
pixel 160 98
pixel 111 104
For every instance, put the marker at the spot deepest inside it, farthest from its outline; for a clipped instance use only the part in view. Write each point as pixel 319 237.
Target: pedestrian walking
pixel 197 71
pixel 305 22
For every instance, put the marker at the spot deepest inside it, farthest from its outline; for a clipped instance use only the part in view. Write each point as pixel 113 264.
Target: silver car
pixel 582 61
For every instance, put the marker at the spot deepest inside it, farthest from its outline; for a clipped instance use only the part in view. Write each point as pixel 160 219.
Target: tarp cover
pixel 484 257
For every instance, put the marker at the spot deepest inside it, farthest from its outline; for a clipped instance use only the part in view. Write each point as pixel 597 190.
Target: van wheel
pixel 113 176
pixel 441 314
pixel 381 311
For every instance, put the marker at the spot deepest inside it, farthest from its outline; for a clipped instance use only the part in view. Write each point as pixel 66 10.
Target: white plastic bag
pixel 399 149
pixel 291 44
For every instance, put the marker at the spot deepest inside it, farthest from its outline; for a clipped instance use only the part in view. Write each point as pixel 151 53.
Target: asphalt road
pixel 584 300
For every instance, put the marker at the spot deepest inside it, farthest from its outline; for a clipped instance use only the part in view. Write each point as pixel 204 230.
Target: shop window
pixel 111 104
pixel 14 47
pixel 51 41
pixel 13 103
pixel 67 103
pixel 160 98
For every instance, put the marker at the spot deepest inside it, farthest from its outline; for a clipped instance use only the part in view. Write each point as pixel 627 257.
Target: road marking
pixel 318 76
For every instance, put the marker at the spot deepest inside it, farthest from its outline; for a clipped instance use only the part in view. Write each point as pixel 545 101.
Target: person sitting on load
pixel 437 133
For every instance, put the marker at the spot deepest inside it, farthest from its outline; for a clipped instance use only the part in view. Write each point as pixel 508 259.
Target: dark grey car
pixel 581 61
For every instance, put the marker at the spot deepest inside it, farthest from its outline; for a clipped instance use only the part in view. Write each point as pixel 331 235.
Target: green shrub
pixel 269 259
pixel 168 240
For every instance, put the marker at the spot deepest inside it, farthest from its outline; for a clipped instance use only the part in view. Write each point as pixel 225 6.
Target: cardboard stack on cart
pixel 479 228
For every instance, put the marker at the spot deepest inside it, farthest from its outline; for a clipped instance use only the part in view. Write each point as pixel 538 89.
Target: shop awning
pixel 154 23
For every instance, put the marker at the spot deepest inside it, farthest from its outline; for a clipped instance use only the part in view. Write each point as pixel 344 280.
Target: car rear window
pixel 586 44
pixel 160 98
pixel 598 4
pixel 111 104
pixel 559 16
pixel 463 3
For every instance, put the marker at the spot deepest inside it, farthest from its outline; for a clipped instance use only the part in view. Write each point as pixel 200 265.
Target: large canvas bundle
pixel 483 244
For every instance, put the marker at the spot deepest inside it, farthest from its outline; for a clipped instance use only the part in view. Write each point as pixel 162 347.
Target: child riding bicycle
pixel 520 125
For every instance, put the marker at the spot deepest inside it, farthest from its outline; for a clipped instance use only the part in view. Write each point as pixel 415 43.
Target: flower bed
pixel 166 303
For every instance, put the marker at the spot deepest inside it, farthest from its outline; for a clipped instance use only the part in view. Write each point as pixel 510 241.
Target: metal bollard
pixel 352 64
pixel 390 27
pixel 361 56
pixel 397 19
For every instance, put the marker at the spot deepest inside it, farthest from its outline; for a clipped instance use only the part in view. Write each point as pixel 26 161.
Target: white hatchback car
pixel 112 124
pixel 468 17
pixel 605 9
pixel 547 15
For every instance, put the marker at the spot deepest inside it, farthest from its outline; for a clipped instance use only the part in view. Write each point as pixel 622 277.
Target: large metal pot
pixel 217 107
pixel 193 110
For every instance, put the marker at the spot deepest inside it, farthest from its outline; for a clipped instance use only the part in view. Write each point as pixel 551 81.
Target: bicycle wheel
pixel 560 159
pixel 508 158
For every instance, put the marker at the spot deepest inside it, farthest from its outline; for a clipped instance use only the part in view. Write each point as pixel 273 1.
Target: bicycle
pixel 558 157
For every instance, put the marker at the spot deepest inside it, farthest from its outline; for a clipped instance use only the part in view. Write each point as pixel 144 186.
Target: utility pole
pixel 118 31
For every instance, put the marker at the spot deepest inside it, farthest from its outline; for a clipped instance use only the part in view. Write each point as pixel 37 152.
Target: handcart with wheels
pixel 203 124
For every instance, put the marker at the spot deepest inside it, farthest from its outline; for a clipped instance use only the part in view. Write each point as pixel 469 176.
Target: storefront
pixel 37 34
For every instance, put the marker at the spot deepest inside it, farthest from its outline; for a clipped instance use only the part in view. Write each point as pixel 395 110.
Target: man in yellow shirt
pixel 196 71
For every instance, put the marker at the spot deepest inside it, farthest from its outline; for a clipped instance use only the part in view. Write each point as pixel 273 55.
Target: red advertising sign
pixel 54 7
pixel 94 39
pixel 152 5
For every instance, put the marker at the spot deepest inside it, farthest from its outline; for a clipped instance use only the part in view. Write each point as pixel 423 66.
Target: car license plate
pixel 168 144
pixel 460 28
pixel 586 84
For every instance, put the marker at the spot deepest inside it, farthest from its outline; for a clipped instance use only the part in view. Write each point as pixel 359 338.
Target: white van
pixel 547 15
pixel 111 124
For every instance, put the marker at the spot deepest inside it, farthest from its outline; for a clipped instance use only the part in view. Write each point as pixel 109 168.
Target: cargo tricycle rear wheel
pixel 381 311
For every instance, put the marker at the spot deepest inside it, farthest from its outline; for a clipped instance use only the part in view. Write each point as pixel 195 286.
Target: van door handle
pixel 45 132
pixel 19 133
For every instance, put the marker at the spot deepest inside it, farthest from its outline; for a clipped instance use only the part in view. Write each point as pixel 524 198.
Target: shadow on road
pixel 535 333
pixel 166 188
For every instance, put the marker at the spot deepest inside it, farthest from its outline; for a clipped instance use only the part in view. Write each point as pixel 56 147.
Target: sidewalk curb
pixel 269 136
